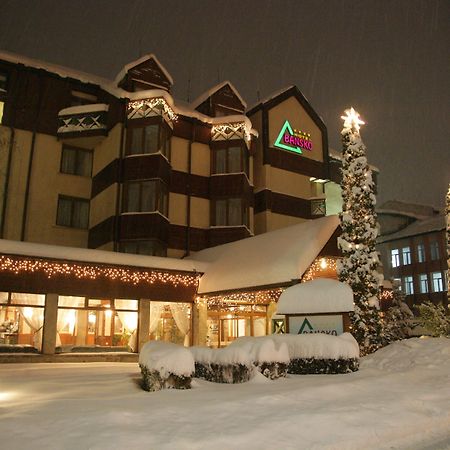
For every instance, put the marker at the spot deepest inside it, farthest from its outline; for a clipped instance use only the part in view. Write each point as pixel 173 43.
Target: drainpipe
pixel 30 163
pixel 119 178
pixel 188 192
pixel 8 172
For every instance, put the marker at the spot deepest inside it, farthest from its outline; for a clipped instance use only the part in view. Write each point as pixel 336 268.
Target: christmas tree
pixel 360 261
pixel 397 319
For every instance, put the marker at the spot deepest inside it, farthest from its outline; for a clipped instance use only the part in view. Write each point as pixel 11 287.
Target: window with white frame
pixel 395 257
pixel 423 283
pixel 420 253
pixel 409 285
pixel 437 281
pixel 434 250
pixel 406 254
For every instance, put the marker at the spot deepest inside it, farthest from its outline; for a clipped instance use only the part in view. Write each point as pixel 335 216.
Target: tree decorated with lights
pixel 360 261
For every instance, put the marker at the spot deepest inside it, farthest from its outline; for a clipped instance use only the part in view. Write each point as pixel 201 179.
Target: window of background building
pixel 395 257
pixel 76 161
pixel 420 253
pixel 233 159
pixel 423 283
pixel 409 285
pixel 434 250
pixel 150 139
pixel 151 247
pixel 406 254
pixel 397 282
pixel 437 281
pixel 79 98
pixel 146 196
pixel 72 212
pixel 230 212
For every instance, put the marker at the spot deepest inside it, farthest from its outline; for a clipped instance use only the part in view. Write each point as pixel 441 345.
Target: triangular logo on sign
pixel 280 139
pixel 306 323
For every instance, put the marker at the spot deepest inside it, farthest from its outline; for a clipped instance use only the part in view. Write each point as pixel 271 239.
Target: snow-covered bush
pixel 222 365
pixel 165 365
pixel 397 320
pixel 434 319
pixel 269 358
pixel 321 353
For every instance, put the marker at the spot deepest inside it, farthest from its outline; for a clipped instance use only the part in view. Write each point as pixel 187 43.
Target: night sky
pixel 389 59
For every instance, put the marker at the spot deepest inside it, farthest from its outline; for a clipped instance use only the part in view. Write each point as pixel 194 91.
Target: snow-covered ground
pixel 399 399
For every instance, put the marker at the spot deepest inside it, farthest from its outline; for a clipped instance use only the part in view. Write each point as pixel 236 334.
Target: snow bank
pixel 322 295
pixel 84 109
pixel 167 358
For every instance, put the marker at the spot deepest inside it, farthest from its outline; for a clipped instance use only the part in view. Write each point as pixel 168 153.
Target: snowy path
pixel 400 399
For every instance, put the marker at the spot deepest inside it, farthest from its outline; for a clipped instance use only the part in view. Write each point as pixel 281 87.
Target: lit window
pixel 434 250
pixel 3 83
pixel 76 161
pixel 72 212
pixel 397 282
pixel 406 253
pixel 420 253
pixel 149 247
pixel 150 139
pixel 230 212
pixel 146 196
pixel 423 283
pixel 2 107
pixel 395 257
pixel 409 285
pixel 232 159
pixel 437 281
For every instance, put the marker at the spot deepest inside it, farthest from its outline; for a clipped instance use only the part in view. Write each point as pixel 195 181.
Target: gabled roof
pixel 413 210
pixel 421 226
pixel 207 94
pixel 138 62
pixel 272 258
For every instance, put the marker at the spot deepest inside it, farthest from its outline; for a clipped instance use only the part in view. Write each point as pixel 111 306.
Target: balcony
pixel 88 122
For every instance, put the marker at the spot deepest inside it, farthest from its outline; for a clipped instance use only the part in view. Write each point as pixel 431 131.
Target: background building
pixel 413 250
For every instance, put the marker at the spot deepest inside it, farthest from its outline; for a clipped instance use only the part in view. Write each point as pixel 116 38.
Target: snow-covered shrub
pixel 321 353
pixel 270 359
pixel 397 320
pixel 222 365
pixel 165 365
pixel 434 319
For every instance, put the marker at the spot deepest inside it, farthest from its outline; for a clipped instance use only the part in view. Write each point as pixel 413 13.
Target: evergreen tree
pixel 397 320
pixel 360 261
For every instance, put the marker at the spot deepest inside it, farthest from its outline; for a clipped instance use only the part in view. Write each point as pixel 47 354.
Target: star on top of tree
pixel 352 119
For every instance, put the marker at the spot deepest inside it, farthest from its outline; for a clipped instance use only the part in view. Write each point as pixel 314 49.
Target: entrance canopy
pixel 322 295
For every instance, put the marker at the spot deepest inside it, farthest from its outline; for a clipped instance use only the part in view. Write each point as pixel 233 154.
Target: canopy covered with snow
pixel 272 258
pixel 322 295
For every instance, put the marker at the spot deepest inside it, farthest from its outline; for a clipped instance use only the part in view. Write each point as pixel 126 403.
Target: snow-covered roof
pixel 322 295
pixel 142 59
pixel 413 210
pixel 81 109
pixel 199 100
pixel 435 223
pixel 271 258
pixel 31 249
pixel 271 96
pixel 62 71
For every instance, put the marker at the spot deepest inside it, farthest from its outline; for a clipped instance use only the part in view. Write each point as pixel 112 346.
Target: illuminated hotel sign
pixel 293 140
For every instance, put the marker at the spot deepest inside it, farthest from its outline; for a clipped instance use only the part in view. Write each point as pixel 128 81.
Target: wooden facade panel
pixel 102 233
pixel 231 185
pixel 192 130
pixel 287 205
pixel 146 167
pixel 331 247
pixel 105 178
pixel 219 236
pixel 144 226
pixel 184 183
pixel 39 283
pixel 198 238
pixel 292 162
